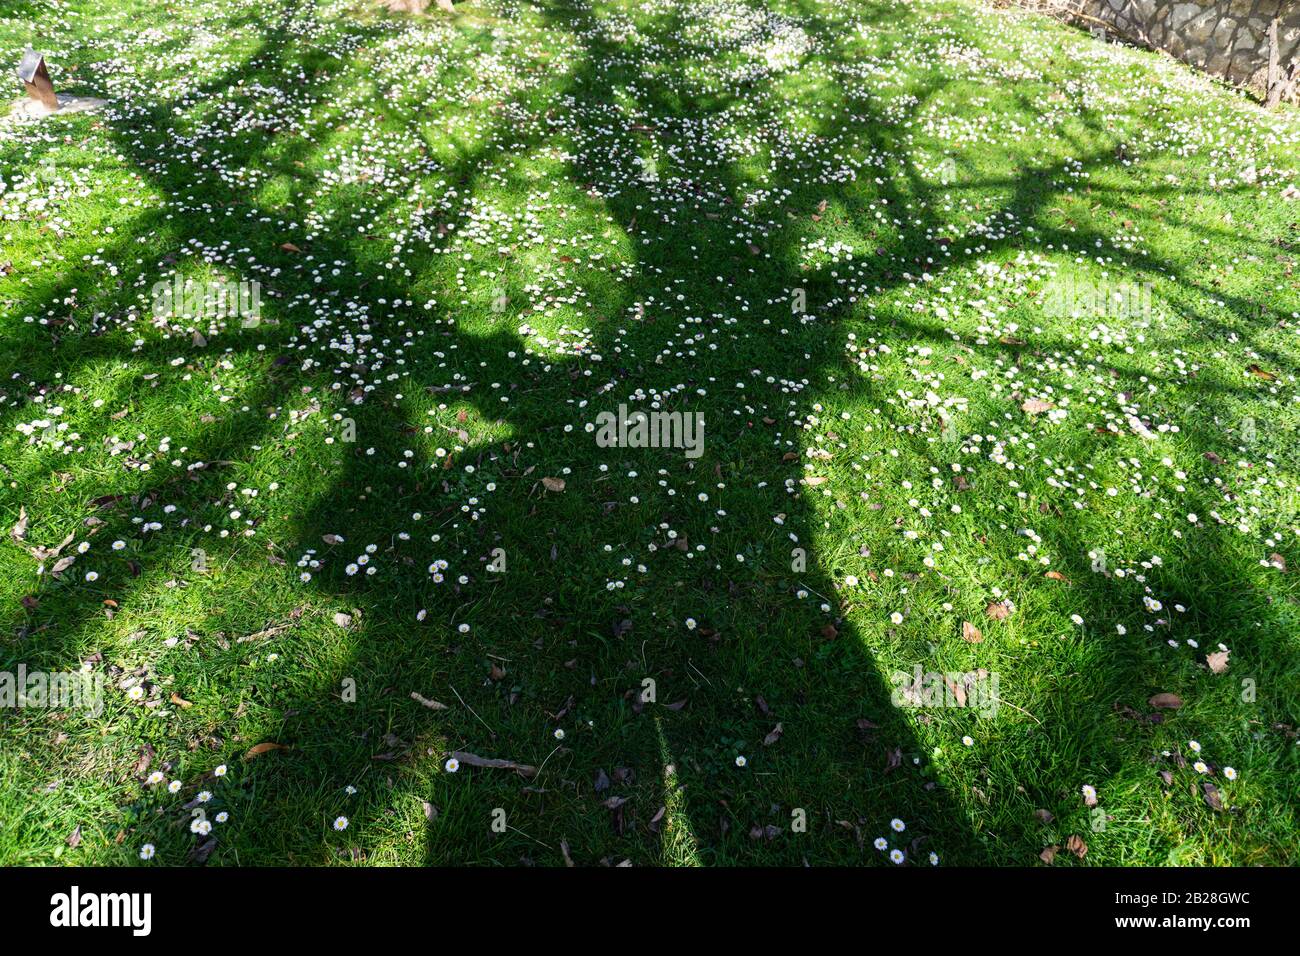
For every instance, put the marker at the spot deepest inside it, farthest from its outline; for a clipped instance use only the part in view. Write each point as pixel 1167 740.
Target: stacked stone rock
pixel 1228 38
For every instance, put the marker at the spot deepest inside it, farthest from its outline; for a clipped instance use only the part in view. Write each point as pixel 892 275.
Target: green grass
pixel 387 180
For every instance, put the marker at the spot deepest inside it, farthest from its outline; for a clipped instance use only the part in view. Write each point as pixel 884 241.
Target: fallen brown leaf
pixel 1260 373
pixel 998 610
pixel 19 530
pixel 1076 846
pixel 1211 793
pixel 203 850
pixel 258 749
pixel 142 763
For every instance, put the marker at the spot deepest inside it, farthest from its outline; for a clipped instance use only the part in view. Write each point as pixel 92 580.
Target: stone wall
pixel 1227 38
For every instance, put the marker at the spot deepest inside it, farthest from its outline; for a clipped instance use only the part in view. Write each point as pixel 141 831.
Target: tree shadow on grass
pixel 574 652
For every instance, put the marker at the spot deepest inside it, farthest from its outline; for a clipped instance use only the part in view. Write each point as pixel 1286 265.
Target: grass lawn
pixel 988 552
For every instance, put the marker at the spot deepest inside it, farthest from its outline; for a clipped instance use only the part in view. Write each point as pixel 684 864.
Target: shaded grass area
pixel 1070 160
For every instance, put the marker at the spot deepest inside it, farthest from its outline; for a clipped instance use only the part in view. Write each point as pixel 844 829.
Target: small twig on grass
pixel 542 766
pixel 999 700
pixel 700 672
pixel 534 839
pixel 473 711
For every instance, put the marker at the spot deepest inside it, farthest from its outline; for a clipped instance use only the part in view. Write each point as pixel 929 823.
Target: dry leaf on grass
pixel 553 484
pixel 1260 373
pixel 1165 701
pixel 144 760
pixel 258 749
pixel 1211 793
pixel 203 850
pixel 998 610
pixel 1218 661
pixel 19 530
pixel 970 633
